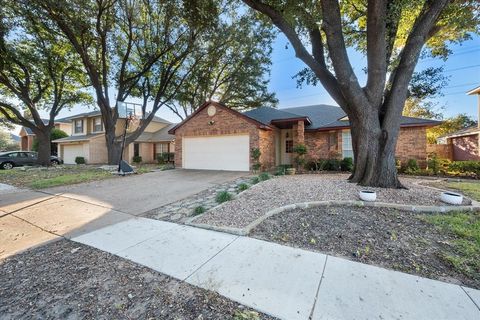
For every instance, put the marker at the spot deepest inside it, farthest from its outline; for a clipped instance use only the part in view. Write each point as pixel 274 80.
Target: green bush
pixel 256 166
pixel 80 160
pixel 256 153
pixel 137 159
pixel 300 149
pixel 411 166
pixel 223 196
pixel 254 180
pixel 199 210
pixel 264 176
pixel 281 170
pixel 165 157
pixel 346 164
pixel 465 167
pixel 242 187
pixel 331 165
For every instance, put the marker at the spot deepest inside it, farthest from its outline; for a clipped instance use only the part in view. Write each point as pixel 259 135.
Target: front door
pixel 286 146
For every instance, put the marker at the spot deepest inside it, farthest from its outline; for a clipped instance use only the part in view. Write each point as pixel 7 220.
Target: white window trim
pixel 75 133
pixel 347 149
pixel 93 125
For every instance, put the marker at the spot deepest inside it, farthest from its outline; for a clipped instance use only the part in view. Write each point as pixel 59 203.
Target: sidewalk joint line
pixel 216 254
pixel 318 288
pixel 476 305
pixel 26 207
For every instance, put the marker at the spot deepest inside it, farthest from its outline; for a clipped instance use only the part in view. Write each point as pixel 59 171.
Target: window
pixel 288 146
pixel 97 124
pixel 78 126
pixel 332 141
pixel 347 150
pixel 136 149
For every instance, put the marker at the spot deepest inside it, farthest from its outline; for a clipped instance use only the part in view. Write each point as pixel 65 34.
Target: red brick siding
pixel 224 122
pixel 267 147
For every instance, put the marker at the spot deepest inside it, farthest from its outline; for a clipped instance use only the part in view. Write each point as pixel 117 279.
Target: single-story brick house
pixel 215 137
pixel 87 140
pixel 464 145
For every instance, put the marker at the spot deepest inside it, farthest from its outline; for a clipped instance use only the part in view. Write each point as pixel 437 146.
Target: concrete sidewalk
pixel 285 282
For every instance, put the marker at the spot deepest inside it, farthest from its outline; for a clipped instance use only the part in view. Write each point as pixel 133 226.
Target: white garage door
pixel 70 152
pixel 230 153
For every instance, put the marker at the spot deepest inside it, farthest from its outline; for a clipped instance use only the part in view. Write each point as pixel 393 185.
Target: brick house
pixel 215 137
pixel 464 144
pixel 27 136
pixel 87 140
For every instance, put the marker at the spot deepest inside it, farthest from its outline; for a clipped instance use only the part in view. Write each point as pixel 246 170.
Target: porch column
pixel 299 133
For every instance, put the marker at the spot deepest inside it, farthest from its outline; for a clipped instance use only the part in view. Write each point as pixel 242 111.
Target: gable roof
pixel 258 123
pixel 322 117
pixel 97 113
pixel 474 91
pixel 463 132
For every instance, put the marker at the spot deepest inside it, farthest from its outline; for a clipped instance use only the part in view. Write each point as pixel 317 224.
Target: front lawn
pixel 439 246
pixel 40 178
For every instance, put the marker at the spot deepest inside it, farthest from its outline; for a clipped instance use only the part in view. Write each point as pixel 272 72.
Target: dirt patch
pixel 258 200
pixel 388 238
pixel 67 280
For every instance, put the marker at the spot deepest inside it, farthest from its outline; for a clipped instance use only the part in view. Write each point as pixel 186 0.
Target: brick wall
pixel 223 122
pixel 412 143
pixel 146 152
pixel 98 150
pixel 267 147
pixel 443 151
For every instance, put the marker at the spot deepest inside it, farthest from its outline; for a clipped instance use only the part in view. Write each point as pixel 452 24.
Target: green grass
pixel 471 189
pixel 465 227
pixel 72 178
pixel 223 196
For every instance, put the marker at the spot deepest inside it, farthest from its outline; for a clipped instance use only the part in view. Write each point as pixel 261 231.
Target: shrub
pixel 332 165
pixel 280 171
pixel 255 180
pixel 80 160
pixel 165 157
pixel 199 210
pixel 223 196
pixel 301 151
pixel 411 166
pixel 465 167
pixel 311 165
pixel 242 187
pixel 264 176
pixel 256 166
pixel 346 164
pixel 137 159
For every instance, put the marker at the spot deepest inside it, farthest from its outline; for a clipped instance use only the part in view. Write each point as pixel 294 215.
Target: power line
pixel 463 68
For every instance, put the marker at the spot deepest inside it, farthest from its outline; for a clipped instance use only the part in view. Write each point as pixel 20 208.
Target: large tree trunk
pixel 374 147
pixel 114 147
pixel 44 147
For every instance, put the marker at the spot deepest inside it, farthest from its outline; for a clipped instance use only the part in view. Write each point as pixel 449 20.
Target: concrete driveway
pixel 30 218
pixel 138 194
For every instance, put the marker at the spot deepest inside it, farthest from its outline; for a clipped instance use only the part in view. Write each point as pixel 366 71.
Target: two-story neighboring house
pixel 87 140
pixel 27 136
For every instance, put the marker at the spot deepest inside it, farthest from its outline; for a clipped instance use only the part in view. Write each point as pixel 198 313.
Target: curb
pixel 352 203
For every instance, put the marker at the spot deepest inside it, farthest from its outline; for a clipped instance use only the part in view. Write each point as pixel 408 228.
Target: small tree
pixel 256 153
pixel 301 151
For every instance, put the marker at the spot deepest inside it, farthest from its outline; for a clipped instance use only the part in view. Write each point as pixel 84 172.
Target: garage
pixel 225 152
pixel 71 151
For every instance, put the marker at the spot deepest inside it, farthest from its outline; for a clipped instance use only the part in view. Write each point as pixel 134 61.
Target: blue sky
pixel 463 67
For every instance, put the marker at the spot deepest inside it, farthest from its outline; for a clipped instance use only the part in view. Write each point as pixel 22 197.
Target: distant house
pixel 14 137
pixel 87 140
pixel 27 136
pixel 465 144
pixel 218 138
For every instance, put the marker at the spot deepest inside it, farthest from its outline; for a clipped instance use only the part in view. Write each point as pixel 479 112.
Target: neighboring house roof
pixel 474 91
pixel 14 137
pixel 157 136
pixel 85 137
pixel 321 117
pixel 29 131
pixel 98 113
pixel 460 133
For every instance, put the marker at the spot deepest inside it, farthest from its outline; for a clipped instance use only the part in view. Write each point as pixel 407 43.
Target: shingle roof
pixel 157 136
pixel 85 137
pixel 98 113
pixel 321 116
pixel 463 132
pixel 14 137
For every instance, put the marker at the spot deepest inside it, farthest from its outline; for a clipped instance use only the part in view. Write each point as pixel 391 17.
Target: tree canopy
pixel 392 35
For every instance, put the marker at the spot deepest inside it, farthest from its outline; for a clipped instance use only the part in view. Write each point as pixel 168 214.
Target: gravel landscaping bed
pixel 392 239
pixel 281 191
pixel 67 280
pixel 180 211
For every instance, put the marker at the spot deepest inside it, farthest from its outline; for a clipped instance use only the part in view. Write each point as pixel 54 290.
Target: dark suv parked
pixel 8 160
